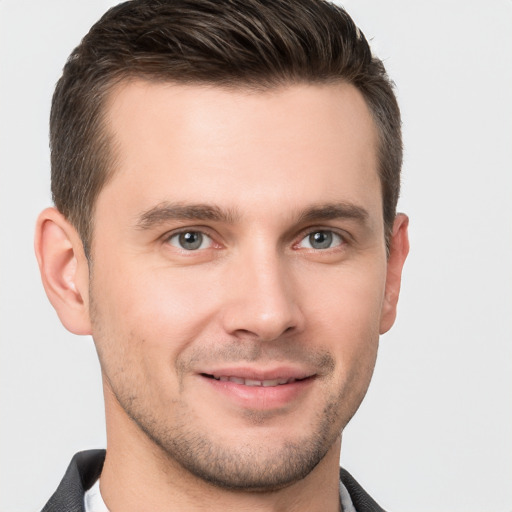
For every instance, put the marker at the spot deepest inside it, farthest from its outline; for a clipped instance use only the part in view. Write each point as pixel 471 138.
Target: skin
pixel 256 175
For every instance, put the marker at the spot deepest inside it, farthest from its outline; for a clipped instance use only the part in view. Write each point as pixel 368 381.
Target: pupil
pixel 320 240
pixel 191 240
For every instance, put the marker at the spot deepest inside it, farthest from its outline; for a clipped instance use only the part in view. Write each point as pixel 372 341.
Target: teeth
pixel 250 382
pixel 254 382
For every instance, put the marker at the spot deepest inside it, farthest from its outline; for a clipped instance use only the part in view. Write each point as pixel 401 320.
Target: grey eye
pixel 190 240
pixel 321 240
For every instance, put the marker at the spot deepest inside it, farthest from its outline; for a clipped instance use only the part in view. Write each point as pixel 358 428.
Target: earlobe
pixel 64 270
pixel 399 248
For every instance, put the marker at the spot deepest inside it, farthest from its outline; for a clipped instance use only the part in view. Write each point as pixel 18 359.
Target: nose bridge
pixel 262 299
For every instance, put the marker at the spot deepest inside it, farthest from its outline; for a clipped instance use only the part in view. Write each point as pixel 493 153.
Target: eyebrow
pixel 165 212
pixel 333 211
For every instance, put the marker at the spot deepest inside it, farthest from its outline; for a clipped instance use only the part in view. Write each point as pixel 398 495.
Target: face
pixel 239 274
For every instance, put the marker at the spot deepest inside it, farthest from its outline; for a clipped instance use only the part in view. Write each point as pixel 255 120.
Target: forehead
pixel 246 149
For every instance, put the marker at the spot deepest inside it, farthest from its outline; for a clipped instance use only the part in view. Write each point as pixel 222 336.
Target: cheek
pixel 346 300
pixel 148 317
pixel 345 316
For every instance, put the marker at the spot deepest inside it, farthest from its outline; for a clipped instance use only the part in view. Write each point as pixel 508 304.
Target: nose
pixel 261 299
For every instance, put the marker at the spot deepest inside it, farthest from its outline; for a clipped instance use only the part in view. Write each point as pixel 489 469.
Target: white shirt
pixel 93 500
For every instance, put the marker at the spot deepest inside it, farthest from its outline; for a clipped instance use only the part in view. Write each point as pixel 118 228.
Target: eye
pixel 321 239
pixel 190 240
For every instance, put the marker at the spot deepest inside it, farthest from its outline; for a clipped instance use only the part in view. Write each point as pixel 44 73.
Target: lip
pixel 259 397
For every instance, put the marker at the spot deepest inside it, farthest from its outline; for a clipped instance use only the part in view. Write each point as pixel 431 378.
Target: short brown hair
pixel 233 43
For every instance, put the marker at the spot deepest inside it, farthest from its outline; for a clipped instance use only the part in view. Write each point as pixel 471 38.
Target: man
pixel 225 177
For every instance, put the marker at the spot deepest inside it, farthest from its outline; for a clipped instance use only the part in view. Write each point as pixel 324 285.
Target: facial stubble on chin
pixel 245 466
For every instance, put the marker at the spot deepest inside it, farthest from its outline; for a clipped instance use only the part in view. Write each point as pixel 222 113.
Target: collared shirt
pixel 94 502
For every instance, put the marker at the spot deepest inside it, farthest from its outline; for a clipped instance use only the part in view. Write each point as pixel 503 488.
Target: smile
pixel 258 388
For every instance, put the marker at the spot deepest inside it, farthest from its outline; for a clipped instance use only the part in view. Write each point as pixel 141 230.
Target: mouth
pixel 249 388
pixel 255 382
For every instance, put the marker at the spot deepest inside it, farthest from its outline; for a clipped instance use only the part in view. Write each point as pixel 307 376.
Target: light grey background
pixel 435 431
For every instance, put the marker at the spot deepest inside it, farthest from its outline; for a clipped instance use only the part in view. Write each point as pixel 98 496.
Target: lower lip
pixel 261 397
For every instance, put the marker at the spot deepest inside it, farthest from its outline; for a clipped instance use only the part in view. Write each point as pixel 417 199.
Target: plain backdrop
pixel 435 431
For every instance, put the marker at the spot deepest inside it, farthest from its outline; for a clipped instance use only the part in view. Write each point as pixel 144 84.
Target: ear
pixel 399 248
pixel 64 270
